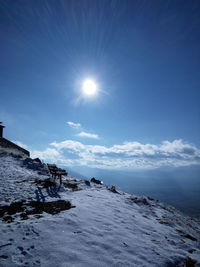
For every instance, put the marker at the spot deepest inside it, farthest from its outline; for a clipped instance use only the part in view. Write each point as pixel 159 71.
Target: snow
pixel 103 229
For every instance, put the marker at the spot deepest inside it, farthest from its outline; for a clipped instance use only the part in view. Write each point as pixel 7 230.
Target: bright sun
pixel 89 88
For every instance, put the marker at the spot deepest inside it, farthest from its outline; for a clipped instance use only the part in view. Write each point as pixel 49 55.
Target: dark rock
pixel 113 189
pixel 35 164
pixel 191 250
pixel 38 216
pixel 140 200
pixel 163 222
pixel 3 256
pixel 8 219
pixel 27 161
pixel 190 237
pixel 70 185
pixel 45 183
pixel 18 156
pixel 52 207
pixel 95 181
pixel 37 160
pixel 11 209
pixel 87 182
pixel 23 216
pixel 150 198
pixel 187 262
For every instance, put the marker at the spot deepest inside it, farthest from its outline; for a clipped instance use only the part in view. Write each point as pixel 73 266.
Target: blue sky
pixel 145 59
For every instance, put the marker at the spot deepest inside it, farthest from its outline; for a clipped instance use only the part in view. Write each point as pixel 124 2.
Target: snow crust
pixel 104 228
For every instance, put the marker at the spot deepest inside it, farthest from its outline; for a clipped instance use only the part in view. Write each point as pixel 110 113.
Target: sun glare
pixel 89 88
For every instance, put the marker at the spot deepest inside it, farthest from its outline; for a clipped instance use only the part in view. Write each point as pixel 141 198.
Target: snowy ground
pixel 101 229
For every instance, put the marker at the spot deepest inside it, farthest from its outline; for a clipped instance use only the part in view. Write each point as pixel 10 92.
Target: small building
pixel 1 129
pixel 7 146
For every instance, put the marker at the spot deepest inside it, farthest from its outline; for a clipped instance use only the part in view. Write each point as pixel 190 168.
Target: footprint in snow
pixel 23 252
pixel 31 247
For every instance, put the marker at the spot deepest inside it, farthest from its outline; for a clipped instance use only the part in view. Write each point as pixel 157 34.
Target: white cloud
pixel 73 124
pixel 47 154
pixel 128 155
pixel 88 135
pixel 82 134
pixel 68 144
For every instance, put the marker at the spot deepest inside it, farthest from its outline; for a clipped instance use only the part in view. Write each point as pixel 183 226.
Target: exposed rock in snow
pixel 86 224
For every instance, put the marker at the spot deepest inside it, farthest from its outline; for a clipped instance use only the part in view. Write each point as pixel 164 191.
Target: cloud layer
pixel 128 155
pixel 88 135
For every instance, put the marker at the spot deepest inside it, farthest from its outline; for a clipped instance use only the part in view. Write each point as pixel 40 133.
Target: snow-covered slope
pixel 98 228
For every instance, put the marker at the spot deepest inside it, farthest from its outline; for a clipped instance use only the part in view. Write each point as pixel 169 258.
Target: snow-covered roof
pixel 6 146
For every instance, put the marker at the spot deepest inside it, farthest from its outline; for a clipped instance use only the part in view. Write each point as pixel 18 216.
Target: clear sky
pixel 143 56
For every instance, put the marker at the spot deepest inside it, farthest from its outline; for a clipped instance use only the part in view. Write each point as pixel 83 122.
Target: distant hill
pixel 179 187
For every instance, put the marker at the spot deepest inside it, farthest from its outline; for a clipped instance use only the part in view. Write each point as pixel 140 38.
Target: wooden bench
pixel 56 172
